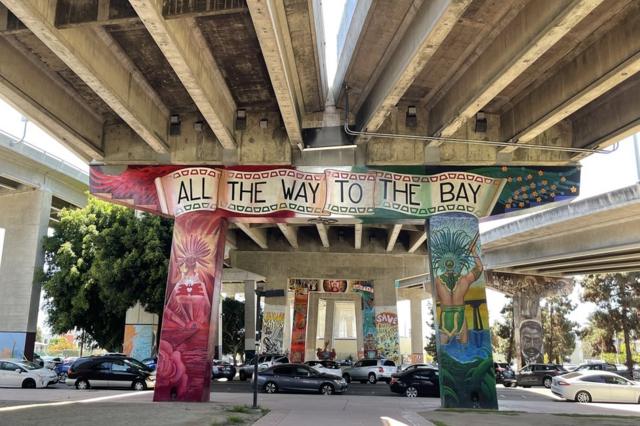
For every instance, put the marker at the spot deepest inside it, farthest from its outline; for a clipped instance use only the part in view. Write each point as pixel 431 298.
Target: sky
pixel 600 172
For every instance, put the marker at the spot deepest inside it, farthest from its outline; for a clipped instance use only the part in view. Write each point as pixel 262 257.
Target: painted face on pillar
pixel 531 341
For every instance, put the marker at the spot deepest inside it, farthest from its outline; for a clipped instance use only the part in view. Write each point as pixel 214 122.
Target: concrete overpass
pixel 244 81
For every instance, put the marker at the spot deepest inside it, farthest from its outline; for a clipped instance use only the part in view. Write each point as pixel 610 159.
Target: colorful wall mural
pixel 463 339
pixel 139 340
pixel 12 345
pixel 299 326
pixel 272 341
pixel 192 295
pixel 387 339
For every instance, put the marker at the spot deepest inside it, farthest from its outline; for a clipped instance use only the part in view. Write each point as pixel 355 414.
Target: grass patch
pixel 479 411
pixel 596 416
pixel 235 420
pixel 238 409
pixel 438 423
pixel 264 411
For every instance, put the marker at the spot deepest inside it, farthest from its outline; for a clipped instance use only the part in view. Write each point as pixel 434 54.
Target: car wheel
pixel 347 378
pixel 230 378
pixel 82 384
pixel 526 386
pixel 547 382
pixel 139 385
pixel 29 384
pixel 270 387
pixel 62 377
pixel 243 376
pixel 583 397
pixel 326 389
pixel 411 392
pixel 507 385
pixel 372 379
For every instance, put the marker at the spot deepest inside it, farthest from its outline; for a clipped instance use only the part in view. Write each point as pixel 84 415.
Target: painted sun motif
pixel 193 253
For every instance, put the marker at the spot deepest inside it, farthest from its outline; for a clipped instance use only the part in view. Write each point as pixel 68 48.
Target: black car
pixel 504 374
pixel 110 371
pixel 416 382
pixel 538 375
pixel 299 378
pixel 222 370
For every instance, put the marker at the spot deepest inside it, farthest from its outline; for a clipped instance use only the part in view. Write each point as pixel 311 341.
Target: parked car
pixel 110 371
pixel 415 382
pixel 299 377
pixel 62 368
pixel 25 374
pixel 370 370
pixel 595 386
pixel 37 359
pixel 605 366
pixel 222 370
pixel 406 367
pixel 504 374
pixel 328 367
pixel 152 362
pixel 264 361
pixel 538 375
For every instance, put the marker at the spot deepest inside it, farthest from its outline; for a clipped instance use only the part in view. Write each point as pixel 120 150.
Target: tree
pixel 617 299
pixel 503 331
pixel 233 327
pixel 597 335
pixel 559 331
pixel 431 348
pixel 59 344
pixel 101 260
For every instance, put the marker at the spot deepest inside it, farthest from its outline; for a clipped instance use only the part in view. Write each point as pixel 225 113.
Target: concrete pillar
pixel 329 321
pixel 461 317
pixel 190 318
pixel 24 216
pixel 417 347
pixel 528 332
pixel 249 319
pixel 140 333
pixel 312 326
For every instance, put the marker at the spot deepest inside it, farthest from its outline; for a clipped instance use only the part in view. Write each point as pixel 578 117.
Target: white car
pixel 595 386
pixel 328 367
pixel 25 374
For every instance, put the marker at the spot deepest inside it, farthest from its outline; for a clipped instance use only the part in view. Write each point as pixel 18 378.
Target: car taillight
pixel 393 380
pixel 562 383
pixel 380 369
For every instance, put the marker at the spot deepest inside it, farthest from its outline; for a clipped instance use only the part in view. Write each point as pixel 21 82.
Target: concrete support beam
pixel 270 22
pixel 530 34
pixel 417 347
pixel 431 25
pixel 392 236
pixel 358 236
pixel 92 58
pixel 329 320
pixel 183 45
pixel 72 13
pixel 416 239
pixel 249 318
pixel 324 236
pixel 258 235
pixel 41 96
pixel 608 62
pixel 290 233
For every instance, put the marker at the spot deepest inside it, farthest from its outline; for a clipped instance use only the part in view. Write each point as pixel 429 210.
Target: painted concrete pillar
pixel 417 347
pixel 140 333
pixel 528 330
pixel 467 377
pixel 190 318
pixel 249 319
pixel 24 217
pixel 299 327
pixel 329 321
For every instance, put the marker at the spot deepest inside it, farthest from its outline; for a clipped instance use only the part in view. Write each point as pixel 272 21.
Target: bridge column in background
pixel 417 346
pixel 463 339
pixel 24 220
pixel 528 332
pixel 140 333
pixel 249 319
pixel 190 318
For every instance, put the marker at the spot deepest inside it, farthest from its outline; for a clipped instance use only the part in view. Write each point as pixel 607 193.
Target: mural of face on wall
pixel 531 341
pixel 334 286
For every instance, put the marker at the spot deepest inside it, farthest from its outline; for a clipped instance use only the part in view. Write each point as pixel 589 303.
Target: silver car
pixel 595 386
pixel 370 370
pixel 264 362
pixel 299 378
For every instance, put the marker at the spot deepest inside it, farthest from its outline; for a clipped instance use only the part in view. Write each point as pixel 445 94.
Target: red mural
pixel 191 301
pixel 299 330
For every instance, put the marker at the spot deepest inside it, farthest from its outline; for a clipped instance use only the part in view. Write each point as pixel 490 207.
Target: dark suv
pixel 538 375
pixel 110 371
pixel 504 374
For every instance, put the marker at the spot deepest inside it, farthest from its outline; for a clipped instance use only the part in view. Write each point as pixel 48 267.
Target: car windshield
pixel 29 365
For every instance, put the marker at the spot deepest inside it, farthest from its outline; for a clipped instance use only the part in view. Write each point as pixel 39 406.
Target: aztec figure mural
pixel 202 199
pixel 463 339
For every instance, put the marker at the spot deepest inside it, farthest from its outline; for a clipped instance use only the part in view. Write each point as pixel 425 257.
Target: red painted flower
pixel 171 370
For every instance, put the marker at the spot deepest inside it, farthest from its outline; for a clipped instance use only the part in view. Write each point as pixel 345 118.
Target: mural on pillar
pixel 387 339
pixel 467 376
pixel 273 329
pixel 369 332
pixel 12 345
pixel 139 340
pixel 186 343
pixel 299 327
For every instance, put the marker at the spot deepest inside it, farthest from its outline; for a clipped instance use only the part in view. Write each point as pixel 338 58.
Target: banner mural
pixel 382 193
pixel 12 345
pixel 139 340
pixel 299 327
pixel 193 289
pixel 467 377
pixel 387 340
pixel 273 329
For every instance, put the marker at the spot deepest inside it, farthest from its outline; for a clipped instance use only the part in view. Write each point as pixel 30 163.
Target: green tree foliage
pixel 502 331
pixel 431 348
pixel 597 335
pixel 103 259
pixel 559 331
pixel 617 299
pixel 233 327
